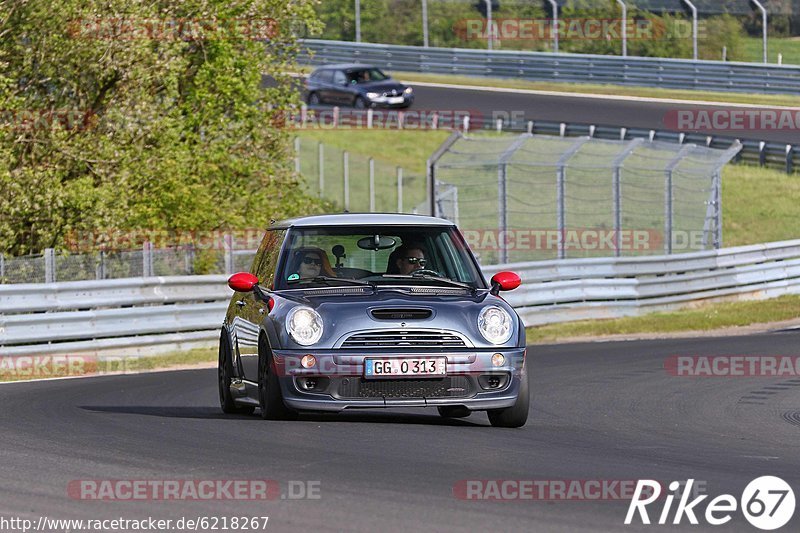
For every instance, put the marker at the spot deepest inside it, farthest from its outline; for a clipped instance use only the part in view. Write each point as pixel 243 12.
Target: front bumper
pixel 471 381
pixel 391 101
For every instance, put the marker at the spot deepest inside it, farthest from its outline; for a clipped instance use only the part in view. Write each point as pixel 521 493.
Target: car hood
pixel 344 314
pixel 382 86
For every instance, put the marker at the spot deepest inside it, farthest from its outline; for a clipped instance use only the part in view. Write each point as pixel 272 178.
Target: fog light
pixel 308 361
pixel 498 359
pixel 494 382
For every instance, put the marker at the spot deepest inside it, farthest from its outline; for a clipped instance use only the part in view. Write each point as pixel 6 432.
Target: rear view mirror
pixel 376 242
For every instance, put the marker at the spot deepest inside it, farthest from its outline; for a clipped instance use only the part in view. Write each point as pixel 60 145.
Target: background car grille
pixel 404 338
pixel 448 387
pixel 401 314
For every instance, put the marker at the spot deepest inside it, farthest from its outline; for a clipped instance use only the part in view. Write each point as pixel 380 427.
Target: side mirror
pixel 505 281
pixel 242 282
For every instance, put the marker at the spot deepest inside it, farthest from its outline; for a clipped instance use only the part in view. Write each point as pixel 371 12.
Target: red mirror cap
pixel 508 281
pixel 242 282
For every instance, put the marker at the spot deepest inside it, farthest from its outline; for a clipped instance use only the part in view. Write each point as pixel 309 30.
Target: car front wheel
pixel 313 99
pixel 516 415
pixel 270 397
pixel 225 375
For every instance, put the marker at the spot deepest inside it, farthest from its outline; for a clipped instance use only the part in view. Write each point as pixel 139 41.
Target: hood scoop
pixel 397 313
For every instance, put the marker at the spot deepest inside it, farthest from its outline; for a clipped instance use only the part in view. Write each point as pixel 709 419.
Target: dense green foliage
pixel 131 114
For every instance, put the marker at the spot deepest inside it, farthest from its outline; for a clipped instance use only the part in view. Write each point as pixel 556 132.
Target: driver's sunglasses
pixel 416 261
pixel 312 261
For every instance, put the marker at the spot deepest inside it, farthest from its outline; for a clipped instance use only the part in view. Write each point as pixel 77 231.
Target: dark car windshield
pixel 380 256
pixel 366 75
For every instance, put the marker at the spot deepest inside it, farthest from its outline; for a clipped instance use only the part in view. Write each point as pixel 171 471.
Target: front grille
pixel 404 339
pixel 401 314
pixel 448 387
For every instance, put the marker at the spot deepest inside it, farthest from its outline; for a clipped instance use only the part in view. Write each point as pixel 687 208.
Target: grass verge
pixel 706 318
pixel 59 366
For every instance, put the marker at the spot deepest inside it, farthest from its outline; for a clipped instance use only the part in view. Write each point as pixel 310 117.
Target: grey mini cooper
pixel 366 311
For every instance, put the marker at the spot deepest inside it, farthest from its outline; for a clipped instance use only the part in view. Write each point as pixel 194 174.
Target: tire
pixel 270 397
pixel 516 415
pixel 224 377
pixel 313 99
pixel 454 411
pixel 360 103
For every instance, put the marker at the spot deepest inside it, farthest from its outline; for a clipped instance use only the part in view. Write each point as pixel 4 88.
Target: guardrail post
pixel 371 185
pixel 228 245
pixel 762 154
pixel 530 126
pixel 303 115
pixel 370 112
pixel 346 174
pixel 147 259
pixel 789 158
pixel 2 268
pixel 335 116
pixel 321 164
pixel 399 189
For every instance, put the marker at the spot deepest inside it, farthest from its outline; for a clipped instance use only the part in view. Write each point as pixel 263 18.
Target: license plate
pixel 396 100
pixel 427 366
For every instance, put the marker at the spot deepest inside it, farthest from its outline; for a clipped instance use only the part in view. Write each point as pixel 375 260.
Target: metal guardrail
pixel 141 312
pixel 575 68
pixel 538 66
pixel 560 291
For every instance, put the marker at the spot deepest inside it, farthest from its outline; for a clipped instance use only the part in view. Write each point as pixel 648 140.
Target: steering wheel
pixel 426 272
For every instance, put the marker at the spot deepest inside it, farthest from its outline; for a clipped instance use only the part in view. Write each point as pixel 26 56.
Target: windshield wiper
pixel 429 277
pixel 329 280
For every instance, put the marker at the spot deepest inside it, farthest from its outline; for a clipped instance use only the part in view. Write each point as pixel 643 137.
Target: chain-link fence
pixel 356 183
pixel 535 197
pixel 51 266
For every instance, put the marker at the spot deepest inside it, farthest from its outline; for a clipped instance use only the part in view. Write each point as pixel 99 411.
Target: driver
pixel 406 259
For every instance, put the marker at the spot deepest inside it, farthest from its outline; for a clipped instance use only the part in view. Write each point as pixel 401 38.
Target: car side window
pixel 267 257
pixel 325 76
pixel 339 78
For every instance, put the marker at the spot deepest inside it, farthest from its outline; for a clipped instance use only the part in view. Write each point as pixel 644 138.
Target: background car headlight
pixel 372 96
pixel 304 325
pixel 495 324
pixel 408 90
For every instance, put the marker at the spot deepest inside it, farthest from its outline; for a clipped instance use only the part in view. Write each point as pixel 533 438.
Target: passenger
pixel 310 262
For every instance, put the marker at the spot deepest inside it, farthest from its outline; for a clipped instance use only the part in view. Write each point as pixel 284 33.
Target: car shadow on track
pixel 212 413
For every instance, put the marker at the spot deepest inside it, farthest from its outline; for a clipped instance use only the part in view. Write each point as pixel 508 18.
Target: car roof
pixel 362 219
pixel 344 66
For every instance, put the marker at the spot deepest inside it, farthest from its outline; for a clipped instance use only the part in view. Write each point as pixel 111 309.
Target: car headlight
pixel 408 91
pixel 495 324
pixel 372 96
pixel 304 325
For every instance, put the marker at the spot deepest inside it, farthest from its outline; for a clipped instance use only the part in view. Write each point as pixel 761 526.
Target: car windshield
pixel 378 256
pixel 366 75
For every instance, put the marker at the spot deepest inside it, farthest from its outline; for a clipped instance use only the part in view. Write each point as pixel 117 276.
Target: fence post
pixel 371 185
pixel 502 212
pixel 228 240
pixel 617 191
pixel 346 172
pixel 49 265
pixel 2 268
pixel 147 259
pixel 399 189
pixel 101 266
pixel 668 193
pixel 297 155
pixel 321 163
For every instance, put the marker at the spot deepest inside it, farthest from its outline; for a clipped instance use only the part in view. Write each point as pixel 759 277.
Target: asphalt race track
pixel 600 411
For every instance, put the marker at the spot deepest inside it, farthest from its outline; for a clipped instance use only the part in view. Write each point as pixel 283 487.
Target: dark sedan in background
pixel 359 86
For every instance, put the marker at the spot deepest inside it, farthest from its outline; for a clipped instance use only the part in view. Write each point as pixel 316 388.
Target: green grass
pixel 706 318
pixel 76 365
pixel 789 47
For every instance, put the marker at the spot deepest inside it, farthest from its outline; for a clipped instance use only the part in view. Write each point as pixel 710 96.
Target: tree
pixel 132 114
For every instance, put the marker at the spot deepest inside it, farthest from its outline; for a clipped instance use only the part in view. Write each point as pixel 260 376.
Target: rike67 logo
pixel 767 503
